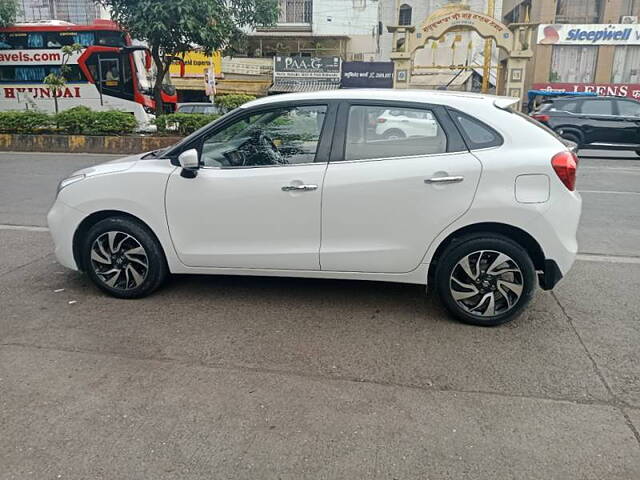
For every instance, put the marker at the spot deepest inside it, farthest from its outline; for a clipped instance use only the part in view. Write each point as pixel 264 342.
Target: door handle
pixel 299 188
pixel 444 180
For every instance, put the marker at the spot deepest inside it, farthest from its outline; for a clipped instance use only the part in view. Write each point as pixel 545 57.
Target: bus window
pixel 4 42
pixel 18 40
pixel 110 39
pixel 37 74
pixel 35 40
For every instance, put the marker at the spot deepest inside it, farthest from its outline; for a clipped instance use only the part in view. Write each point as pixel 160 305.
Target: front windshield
pixel 147 78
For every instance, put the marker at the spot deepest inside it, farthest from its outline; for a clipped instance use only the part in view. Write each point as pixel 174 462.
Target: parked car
pixel 202 107
pixel 594 122
pixel 300 185
pixel 403 123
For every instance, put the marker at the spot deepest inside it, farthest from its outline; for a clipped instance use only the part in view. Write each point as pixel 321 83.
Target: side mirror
pixel 190 162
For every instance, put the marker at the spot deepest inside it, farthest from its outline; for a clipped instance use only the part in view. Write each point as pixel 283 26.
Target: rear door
pixel 602 125
pixel 629 110
pixel 385 200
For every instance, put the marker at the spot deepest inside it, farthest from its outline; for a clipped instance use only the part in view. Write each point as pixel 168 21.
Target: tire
pixel 511 286
pixel 638 152
pixel 572 137
pixel 123 258
pixel 393 134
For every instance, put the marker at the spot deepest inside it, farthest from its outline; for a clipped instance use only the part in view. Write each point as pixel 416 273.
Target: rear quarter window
pixel 476 133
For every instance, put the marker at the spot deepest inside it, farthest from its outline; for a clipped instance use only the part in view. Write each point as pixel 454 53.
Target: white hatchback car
pixel 301 185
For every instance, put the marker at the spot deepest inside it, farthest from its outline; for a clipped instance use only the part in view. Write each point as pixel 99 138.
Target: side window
pixel 629 108
pixel 597 107
pixel 185 109
pixel 567 106
pixel 286 136
pixel 477 134
pixel 384 132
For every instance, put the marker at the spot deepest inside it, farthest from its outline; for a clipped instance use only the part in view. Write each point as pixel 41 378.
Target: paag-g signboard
pixel 367 75
pixel 307 68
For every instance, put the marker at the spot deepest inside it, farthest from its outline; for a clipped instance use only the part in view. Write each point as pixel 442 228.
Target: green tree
pixel 8 12
pixel 171 28
pixel 56 81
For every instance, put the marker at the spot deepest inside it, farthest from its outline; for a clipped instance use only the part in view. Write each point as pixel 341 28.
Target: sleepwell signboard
pixel 306 68
pixel 367 75
pixel 589 34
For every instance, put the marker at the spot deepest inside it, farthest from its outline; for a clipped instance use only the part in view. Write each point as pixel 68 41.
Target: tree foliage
pixel 8 12
pixel 177 26
pixel 56 81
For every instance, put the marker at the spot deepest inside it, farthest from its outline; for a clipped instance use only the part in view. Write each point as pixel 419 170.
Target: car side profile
pixel 611 123
pixel 482 205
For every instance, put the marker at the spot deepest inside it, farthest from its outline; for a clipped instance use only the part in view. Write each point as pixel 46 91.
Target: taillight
pixel 566 164
pixel 541 117
pixel 381 120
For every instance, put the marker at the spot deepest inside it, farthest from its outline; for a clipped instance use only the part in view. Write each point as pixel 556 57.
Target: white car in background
pixel 399 123
pixel 479 201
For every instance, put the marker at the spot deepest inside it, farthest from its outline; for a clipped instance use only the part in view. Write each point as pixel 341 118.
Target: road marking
pixel 28 228
pixel 591 257
pixel 605 169
pixel 611 192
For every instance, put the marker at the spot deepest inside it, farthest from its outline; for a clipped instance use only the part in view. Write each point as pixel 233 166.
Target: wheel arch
pixel 522 238
pixel 571 130
pixel 90 220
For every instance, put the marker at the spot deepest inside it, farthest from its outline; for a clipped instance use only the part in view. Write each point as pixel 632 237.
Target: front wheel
pixel 485 280
pixel 123 258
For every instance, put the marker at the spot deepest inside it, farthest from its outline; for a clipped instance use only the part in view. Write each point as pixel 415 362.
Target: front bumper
pixel 63 222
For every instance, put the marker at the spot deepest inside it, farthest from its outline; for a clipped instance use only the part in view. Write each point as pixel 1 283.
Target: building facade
pixel 345 28
pixel 80 12
pixel 582 45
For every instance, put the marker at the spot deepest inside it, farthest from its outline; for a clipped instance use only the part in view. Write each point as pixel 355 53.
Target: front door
pixel 255 202
pixel 385 198
pixel 629 110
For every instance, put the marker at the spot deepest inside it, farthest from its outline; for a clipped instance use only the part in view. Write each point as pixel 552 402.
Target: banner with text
pixel 367 75
pixel 631 90
pixel 589 34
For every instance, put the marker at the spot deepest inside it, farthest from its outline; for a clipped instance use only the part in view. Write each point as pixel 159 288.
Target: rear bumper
pixel 550 275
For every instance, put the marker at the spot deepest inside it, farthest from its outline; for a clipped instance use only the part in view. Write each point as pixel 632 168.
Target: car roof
pixel 405 95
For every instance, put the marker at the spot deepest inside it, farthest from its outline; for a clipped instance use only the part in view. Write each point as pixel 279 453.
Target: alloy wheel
pixel 486 283
pixel 119 260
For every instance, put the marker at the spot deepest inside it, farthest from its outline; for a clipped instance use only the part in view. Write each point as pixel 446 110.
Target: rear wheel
pixel 394 134
pixel 123 258
pixel 572 137
pixel 485 280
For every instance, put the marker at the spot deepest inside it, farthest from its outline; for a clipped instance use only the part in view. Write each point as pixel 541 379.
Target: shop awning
pixel 285 86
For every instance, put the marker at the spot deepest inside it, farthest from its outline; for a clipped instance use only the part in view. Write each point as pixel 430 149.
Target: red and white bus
pixel 110 73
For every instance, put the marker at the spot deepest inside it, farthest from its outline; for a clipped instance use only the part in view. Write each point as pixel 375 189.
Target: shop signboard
pixel 630 90
pixel 589 34
pixel 367 75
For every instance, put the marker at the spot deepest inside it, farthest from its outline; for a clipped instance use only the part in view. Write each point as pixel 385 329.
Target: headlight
pixel 68 181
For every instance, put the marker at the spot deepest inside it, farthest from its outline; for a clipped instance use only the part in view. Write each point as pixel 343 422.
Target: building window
pixel 578 11
pixel 295 11
pixel 404 15
pixel 626 64
pixel 573 64
pixel 630 7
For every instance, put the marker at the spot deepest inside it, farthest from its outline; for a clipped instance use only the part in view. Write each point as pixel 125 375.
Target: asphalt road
pixel 236 377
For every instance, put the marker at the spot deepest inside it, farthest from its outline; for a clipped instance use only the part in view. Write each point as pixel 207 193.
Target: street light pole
pixel 486 69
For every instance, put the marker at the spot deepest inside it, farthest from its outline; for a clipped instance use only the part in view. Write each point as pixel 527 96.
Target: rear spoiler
pixel 505 103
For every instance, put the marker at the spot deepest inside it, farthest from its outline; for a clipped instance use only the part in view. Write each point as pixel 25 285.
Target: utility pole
pixel 486 69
